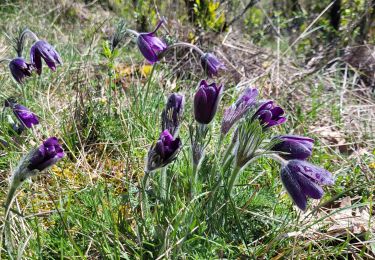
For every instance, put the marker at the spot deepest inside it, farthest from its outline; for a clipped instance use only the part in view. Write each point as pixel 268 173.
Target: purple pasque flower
pixel 23 114
pixel 163 152
pixel 211 64
pixel 150 45
pixel 46 155
pixel 236 111
pixel 293 146
pixel 20 69
pixel 43 50
pixel 269 115
pixel 302 180
pixel 206 101
pixel 172 113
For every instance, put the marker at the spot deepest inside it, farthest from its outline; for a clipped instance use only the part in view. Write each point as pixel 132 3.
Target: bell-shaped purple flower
pixel 163 152
pixel 43 50
pixel 20 69
pixel 211 64
pixel 293 146
pixel 23 114
pixel 302 180
pixel 150 45
pixel 269 115
pixel 172 113
pixel 46 155
pixel 206 101
pixel 236 111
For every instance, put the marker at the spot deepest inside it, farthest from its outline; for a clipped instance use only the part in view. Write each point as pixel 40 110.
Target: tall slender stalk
pixel 233 178
pixel 149 82
pixel 144 198
pixel 163 184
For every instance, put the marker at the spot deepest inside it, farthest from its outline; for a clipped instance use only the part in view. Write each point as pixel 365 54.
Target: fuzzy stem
pixel 31 34
pixel 194 180
pixel 163 184
pixel 149 81
pixel 233 178
pixel 185 44
pixel 6 232
pixel 3 60
pixel 144 198
pixel 135 33
pixel 180 44
pixel 277 158
pixel 228 152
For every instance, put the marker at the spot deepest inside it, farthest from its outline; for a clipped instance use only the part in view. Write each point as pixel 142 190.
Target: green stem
pixel 228 152
pixel 163 184
pixel 149 81
pixel 6 232
pixel 233 178
pixel 144 198
pixel 194 180
pixel 24 94
pixel 180 44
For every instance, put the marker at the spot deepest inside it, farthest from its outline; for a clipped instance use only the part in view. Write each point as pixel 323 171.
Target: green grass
pixel 88 205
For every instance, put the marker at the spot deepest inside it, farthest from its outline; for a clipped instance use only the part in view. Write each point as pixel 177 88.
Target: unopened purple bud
pixel 150 45
pixel 23 114
pixel 163 152
pixel 293 146
pixel 269 115
pixel 206 101
pixel 302 180
pixel 43 50
pixel 46 155
pixel 172 113
pixel 211 64
pixel 20 69
pixel 236 111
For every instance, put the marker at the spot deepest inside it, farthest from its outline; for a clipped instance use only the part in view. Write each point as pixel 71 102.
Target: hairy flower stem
pixel 277 158
pixel 135 33
pixel 194 180
pixel 180 44
pixel 31 34
pixel 233 178
pixel 4 60
pixel 149 82
pixel 163 184
pixel 6 231
pixel 144 198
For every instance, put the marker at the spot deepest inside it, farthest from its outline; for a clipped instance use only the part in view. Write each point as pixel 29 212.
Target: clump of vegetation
pixel 186 140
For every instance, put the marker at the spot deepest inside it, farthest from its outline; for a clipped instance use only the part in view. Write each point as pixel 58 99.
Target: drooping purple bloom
pixel 150 45
pixel 206 101
pixel 46 155
pixel 211 64
pixel 293 146
pixel 163 152
pixel 23 114
pixel 302 180
pixel 20 69
pixel 236 111
pixel 43 50
pixel 269 115
pixel 172 113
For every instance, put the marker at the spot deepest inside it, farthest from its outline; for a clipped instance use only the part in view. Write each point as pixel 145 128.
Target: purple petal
pixel 293 188
pixel 319 175
pixel 295 150
pixel 309 187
